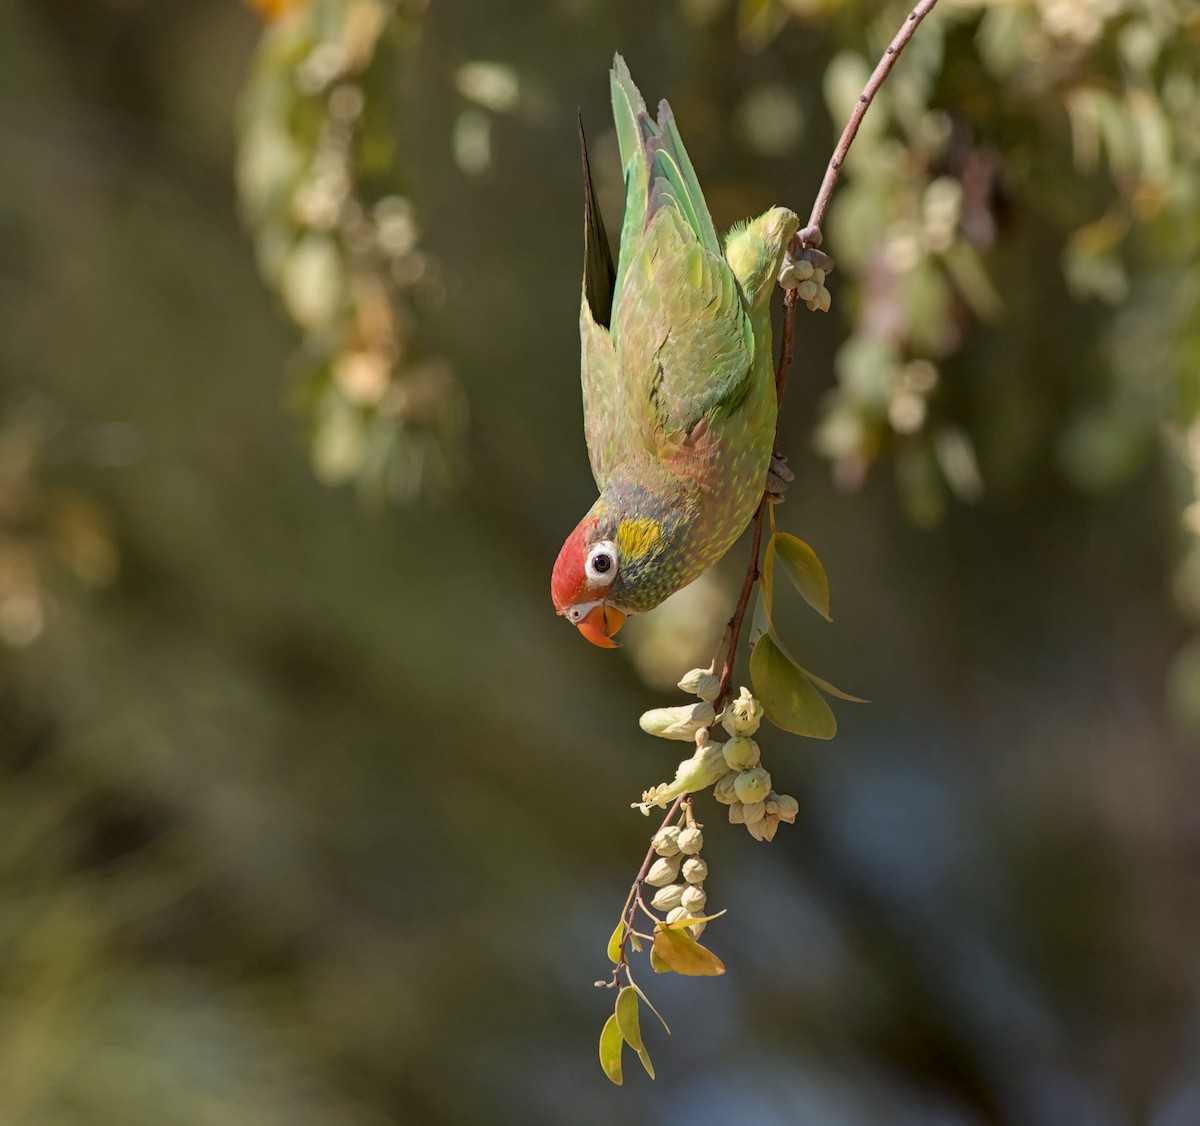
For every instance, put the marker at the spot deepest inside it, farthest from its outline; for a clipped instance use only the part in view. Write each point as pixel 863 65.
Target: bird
pixel 679 399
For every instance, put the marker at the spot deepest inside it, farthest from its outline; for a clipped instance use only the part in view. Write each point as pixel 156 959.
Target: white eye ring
pixel 601 566
pixel 575 615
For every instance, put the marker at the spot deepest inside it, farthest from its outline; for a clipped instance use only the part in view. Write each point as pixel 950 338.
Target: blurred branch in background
pixel 338 240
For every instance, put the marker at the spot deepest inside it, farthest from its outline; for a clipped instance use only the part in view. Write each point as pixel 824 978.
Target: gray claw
pixel 779 476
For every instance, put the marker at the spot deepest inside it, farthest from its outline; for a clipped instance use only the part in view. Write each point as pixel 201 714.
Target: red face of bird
pixel 581 582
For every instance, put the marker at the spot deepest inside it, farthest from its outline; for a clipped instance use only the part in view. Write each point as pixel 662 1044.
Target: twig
pixel 635 894
pixel 860 108
pixel 734 628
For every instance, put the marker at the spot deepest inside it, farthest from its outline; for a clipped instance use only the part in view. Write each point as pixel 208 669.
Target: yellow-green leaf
pixel 611 1043
pixel 766 581
pixel 686 956
pixel 689 921
pixel 614 943
pixel 627 1018
pixel 804 569
pixel 833 689
pixel 657 964
pixel 650 1006
pixel 644 1056
pixel 787 695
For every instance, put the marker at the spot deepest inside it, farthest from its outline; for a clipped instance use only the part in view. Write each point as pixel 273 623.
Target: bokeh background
pixel 311 811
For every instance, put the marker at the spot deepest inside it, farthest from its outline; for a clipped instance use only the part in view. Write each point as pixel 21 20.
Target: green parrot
pixel 678 379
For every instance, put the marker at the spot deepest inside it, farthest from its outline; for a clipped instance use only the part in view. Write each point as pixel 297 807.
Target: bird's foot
pixel 805 267
pixel 779 476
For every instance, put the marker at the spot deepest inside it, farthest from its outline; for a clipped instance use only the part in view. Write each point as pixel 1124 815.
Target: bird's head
pixel 600 576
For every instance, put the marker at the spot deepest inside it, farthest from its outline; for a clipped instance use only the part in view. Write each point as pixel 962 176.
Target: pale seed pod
pixel 693 899
pixel 743 715
pixel 770 826
pixel 675 914
pixel 681 722
pixel 737 813
pixel 702 683
pixel 807 290
pixel 723 790
pixel 694 870
pixel 758 829
pixel 823 299
pixel 697 930
pixel 691 841
pixel 803 269
pixel 786 807
pixel 663 871
pixel 669 897
pixel 818 275
pixel 741 753
pixel 787 276
pixel 754 812
pixel 666 841
pixel 752 785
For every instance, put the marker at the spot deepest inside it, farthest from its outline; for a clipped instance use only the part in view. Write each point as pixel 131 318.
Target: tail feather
pixel 673 179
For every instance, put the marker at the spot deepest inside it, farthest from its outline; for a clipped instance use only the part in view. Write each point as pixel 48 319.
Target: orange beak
pixel 600 625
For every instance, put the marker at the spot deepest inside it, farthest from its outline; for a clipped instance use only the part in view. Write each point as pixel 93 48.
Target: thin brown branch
pixel 734 628
pixel 860 108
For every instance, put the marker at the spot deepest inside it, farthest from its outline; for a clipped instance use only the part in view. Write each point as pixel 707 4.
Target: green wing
pixel 683 337
pixel 684 343
pixel 601 393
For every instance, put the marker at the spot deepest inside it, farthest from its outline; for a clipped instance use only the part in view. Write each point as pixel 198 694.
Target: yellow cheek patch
pixel 638 538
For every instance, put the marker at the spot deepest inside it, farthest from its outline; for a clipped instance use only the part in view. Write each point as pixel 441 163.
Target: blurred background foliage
pixel 313 812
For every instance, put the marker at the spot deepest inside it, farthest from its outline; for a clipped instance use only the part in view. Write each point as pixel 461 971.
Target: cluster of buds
pixel 732 768
pixel 679 874
pixel 804 270
pixel 745 786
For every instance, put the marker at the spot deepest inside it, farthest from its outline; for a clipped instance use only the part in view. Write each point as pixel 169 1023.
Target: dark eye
pixel 602 563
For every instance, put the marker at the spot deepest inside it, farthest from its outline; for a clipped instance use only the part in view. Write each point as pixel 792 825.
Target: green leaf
pixel 833 689
pixel 760 623
pixel 786 693
pixel 804 569
pixel 611 1043
pixel 686 956
pixel 644 1056
pixel 627 1018
pixel 614 943
pixel 650 1006
pixel 657 964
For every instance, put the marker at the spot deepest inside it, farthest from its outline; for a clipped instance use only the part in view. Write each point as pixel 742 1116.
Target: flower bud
pixel 807 290
pixel 668 897
pixel 691 841
pixel 663 871
pixel 753 812
pixel 694 870
pixel 666 841
pixel 676 913
pixel 737 813
pixel 743 715
pixel 691 776
pixel 818 275
pixel 697 930
pixel 752 785
pixel 823 299
pixel 787 808
pixel 723 790
pixel 681 722
pixel 693 899
pixel 741 753
pixel 763 829
pixel 702 683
